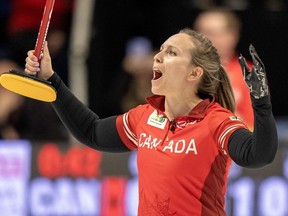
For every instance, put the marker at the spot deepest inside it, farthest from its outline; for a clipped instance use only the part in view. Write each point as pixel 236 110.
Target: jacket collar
pixel 197 113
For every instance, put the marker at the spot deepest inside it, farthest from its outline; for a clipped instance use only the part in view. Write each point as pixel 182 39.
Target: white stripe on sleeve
pixel 222 137
pixel 131 136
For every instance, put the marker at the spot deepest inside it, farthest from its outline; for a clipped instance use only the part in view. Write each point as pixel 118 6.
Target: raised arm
pixel 85 125
pixel 258 148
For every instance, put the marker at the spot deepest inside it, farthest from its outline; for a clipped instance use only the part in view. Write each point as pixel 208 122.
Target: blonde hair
pixel 215 81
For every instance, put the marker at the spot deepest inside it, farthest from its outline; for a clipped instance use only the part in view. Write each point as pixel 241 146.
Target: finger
pixel 255 57
pixel 31 65
pixel 31 55
pixel 46 52
pixel 31 70
pixel 32 61
pixel 244 66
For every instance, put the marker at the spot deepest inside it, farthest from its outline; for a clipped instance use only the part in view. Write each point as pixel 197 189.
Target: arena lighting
pixel 15 164
pixel 29 85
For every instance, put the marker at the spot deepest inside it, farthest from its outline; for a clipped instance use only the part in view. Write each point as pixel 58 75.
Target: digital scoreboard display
pixel 62 179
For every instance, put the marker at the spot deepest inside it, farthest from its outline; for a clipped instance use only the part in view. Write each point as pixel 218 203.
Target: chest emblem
pixel 156 120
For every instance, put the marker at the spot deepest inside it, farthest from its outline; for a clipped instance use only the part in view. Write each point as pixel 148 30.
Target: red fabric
pixel 244 108
pixel 182 172
pixel 27 14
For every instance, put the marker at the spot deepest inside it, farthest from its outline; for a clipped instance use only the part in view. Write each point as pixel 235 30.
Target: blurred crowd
pixel 24 118
pixel 119 72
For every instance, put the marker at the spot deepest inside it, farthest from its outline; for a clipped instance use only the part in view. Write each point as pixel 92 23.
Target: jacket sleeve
pixel 258 148
pixel 83 123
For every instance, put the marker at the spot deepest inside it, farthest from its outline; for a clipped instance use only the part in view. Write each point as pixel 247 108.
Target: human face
pixel 172 65
pixel 215 27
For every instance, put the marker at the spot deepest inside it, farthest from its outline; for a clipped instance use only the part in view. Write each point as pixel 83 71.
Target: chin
pixel 156 91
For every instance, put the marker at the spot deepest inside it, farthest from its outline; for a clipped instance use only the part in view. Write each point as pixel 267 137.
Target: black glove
pixel 255 79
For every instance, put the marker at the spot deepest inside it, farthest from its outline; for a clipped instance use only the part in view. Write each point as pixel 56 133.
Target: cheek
pixel 176 80
pixel 179 67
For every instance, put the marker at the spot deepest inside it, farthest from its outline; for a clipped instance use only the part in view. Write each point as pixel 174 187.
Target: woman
pixel 186 135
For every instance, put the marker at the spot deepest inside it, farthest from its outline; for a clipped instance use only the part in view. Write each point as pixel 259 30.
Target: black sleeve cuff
pixel 55 81
pixel 261 101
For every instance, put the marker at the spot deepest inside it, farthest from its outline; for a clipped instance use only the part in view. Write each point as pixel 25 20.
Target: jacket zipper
pixel 171 128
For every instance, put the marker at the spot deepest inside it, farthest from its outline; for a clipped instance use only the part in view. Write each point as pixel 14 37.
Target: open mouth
pixel 157 74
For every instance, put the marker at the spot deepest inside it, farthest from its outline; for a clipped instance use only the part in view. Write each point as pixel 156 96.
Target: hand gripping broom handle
pixel 43 28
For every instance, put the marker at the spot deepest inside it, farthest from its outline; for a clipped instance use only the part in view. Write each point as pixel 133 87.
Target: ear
pixel 195 73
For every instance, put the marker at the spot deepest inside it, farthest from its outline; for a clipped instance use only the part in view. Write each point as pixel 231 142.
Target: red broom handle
pixel 43 28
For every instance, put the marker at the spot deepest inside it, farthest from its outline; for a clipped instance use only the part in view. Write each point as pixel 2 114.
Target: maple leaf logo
pixel 156 207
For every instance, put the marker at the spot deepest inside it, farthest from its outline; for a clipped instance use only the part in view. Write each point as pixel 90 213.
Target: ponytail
pixel 215 81
pixel 224 94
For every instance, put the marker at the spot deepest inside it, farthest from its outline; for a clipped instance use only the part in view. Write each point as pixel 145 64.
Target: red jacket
pixel 183 165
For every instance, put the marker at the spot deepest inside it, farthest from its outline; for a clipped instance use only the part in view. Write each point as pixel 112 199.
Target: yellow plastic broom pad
pixel 28 86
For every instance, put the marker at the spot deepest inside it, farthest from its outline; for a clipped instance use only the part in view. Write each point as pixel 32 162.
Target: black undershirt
pixel 247 149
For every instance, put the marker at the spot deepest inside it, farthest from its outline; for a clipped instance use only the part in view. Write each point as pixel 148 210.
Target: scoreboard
pixel 53 178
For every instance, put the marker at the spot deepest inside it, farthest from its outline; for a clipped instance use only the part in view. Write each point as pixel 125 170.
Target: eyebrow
pixel 168 46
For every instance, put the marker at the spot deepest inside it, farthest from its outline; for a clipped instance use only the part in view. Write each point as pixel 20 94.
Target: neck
pixel 176 106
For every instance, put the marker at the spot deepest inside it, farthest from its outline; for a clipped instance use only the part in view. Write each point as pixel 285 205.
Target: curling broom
pixel 29 85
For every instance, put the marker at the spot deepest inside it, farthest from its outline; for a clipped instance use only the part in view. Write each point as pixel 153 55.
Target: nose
pixel 158 57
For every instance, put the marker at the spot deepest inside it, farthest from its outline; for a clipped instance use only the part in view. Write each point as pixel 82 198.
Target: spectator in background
pixel 223 27
pixel 9 105
pixel 138 64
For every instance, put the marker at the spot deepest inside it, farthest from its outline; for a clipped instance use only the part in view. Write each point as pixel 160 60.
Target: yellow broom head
pixel 28 86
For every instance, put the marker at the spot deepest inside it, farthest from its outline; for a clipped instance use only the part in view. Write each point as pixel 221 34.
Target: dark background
pixel 117 21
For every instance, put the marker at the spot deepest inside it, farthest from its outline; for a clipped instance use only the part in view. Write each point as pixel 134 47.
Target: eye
pixel 171 52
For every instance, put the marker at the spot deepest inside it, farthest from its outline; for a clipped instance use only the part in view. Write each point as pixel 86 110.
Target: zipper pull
pixel 172 125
